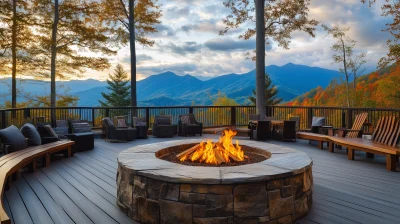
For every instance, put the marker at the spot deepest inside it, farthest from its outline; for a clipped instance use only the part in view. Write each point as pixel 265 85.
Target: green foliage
pixel 120 89
pixel 281 19
pixel 270 93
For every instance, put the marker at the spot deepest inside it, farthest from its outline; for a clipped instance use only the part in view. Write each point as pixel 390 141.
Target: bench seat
pixel 367 146
pixel 313 136
pixel 12 162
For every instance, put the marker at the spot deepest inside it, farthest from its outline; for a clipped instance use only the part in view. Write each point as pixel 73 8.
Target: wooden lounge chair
pixel 384 141
pixel 356 129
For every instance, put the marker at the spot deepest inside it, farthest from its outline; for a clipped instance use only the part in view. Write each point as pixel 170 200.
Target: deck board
pixel 82 188
pixel 55 211
pixel 19 212
pixel 32 203
pixel 90 208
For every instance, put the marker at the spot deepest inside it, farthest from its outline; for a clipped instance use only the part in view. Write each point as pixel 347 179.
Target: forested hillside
pixel 380 89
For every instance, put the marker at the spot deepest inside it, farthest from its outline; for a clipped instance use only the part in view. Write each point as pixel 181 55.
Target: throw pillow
pixel 30 132
pixel 50 131
pixel 121 123
pixel 13 137
pixel 185 119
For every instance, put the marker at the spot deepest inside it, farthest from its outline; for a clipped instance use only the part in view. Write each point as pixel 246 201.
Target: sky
pixel 188 41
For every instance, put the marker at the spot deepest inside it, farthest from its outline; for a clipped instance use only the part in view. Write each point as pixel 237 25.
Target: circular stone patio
pixel 152 190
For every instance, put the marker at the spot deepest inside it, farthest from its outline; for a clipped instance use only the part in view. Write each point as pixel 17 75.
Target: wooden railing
pixel 210 116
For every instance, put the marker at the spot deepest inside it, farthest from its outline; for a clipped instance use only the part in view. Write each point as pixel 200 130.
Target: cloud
pixel 180 68
pixel 140 58
pixel 228 44
pixel 188 40
pixel 163 31
pixel 181 49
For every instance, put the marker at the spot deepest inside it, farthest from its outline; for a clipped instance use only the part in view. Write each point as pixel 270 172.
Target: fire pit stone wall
pixel 277 190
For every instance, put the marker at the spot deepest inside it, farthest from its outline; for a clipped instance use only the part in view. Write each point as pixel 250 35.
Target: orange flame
pixel 216 153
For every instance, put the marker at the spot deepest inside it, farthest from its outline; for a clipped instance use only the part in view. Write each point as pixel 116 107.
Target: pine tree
pixel 118 84
pixel 270 93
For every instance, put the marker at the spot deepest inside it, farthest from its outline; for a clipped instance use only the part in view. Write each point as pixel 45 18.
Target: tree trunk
pixel 345 73
pixel 260 59
pixel 133 52
pixel 53 62
pixel 14 57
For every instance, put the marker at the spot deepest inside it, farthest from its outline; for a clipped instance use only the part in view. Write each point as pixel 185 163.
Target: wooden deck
pixel 82 189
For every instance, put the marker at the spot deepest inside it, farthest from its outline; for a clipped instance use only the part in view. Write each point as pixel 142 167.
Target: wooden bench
pixel 368 146
pixel 384 140
pixel 315 137
pixel 12 162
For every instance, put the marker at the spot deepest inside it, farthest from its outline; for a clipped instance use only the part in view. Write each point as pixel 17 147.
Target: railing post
pixel 190 110
pixel 27 113
pixel 93 118
pixel 148 117
pixel 53 117
pixel 343 119
pixel 3 119
pixel 268 111
pixel 309 116
pixel 349 117
pixel 107 112
pixel 233 116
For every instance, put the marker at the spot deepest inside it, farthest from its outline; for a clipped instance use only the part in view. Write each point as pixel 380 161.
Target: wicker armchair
pixel 117 134
pixel 262 131
pixel 188 125
pixel 141 127
pixel 162 126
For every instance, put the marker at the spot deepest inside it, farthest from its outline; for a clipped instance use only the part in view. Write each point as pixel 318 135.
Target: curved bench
pixel 12 162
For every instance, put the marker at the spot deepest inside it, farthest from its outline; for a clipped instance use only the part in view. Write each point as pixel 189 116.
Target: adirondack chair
pixel 356 129
pixel 387 131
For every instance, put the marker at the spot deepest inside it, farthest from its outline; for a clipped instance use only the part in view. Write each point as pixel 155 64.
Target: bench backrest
pixel 357 125
pixel 387 131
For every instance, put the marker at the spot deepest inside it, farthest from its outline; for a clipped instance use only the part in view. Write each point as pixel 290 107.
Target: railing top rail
pixel 177 107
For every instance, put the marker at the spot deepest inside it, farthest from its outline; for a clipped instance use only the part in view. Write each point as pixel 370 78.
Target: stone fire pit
pixel 152 190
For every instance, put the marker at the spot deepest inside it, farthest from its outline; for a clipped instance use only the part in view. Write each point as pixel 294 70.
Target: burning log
pixel 215 153
pixel 188 151
pixel 218 156
pixel 229 154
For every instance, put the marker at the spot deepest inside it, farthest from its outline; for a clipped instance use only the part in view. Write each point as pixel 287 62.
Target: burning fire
pixel 215 153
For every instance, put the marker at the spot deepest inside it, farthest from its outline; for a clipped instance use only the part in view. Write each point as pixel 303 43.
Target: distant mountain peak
pixel 167 73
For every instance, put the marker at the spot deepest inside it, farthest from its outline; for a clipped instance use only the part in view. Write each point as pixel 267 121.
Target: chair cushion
pixel 185 119
pixel 139 121
pixel 163 121
pixel 318 121
pixel 107 121
pixel 30 132
pixel 13 137
pixel 121 123
pixel 80 126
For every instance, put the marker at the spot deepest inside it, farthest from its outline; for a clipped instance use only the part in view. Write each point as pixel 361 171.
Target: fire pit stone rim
pixel 141 160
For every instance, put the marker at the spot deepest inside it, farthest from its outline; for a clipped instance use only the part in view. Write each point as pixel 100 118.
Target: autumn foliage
pixel 379 89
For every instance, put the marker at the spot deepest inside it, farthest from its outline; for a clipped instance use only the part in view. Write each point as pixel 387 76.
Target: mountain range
pixel 169 89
